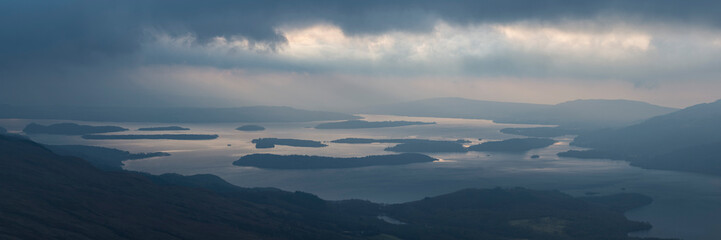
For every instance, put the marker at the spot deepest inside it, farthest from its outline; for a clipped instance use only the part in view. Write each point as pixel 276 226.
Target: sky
pixel 331 55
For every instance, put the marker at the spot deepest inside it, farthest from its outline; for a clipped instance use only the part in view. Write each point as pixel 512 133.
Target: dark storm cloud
pixel 84 31
pixel 67 49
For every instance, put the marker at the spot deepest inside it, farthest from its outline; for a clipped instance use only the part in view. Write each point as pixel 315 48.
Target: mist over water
pixel 684 203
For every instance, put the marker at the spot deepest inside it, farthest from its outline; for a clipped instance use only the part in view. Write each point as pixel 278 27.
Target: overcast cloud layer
pixel 332 54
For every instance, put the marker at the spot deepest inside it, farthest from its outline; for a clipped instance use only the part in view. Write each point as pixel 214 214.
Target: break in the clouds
pixel 329 54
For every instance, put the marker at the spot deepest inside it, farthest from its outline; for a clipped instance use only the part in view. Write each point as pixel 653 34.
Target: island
pixel 271 142
pixel 392 140
pixel 101 157
pixel 250 128
pixel 168 128
pixel 441 146
pixel 69 129
pixel 3 130
pixel 273 161
pixel 356 124
pixel 516 145
pixel 428 146
pixel 544 132
pixel 153 136
pixel 412 145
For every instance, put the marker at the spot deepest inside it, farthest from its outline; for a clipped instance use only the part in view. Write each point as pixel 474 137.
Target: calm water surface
pixel 685 205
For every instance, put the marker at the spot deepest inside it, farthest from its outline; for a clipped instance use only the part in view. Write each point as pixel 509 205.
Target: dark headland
pixel 101 157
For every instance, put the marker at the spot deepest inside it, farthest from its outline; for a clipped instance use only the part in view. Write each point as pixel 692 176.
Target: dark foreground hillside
pixel 46 196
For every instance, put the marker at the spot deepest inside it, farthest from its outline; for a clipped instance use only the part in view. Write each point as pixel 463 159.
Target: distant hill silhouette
pixel 573 115
pixel 171 115
pixel 590 114
pixel 356 124
pixel 454 108
pixel 686 140
pixel 47 196
pixel 168 128
pixel 250 128
pixel 69 129
pixel 3 130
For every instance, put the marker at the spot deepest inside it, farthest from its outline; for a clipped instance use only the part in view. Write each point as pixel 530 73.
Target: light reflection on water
pixel 685 205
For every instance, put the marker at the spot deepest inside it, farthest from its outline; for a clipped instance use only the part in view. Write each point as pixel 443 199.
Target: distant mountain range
pixel 454 108
pixel 47 196
pixel 578 114
pixel 171 115
pixel 590 114
pixel 686 140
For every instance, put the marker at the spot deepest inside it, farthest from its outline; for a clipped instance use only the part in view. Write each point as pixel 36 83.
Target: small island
pixel 101 157
pixel 168 128
pixel 273 161
pixel 515 145
pixel 153 136
pixel 271 142
pixel 357 124
pixel 70 129
pixel 3 130
pixel 250 128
